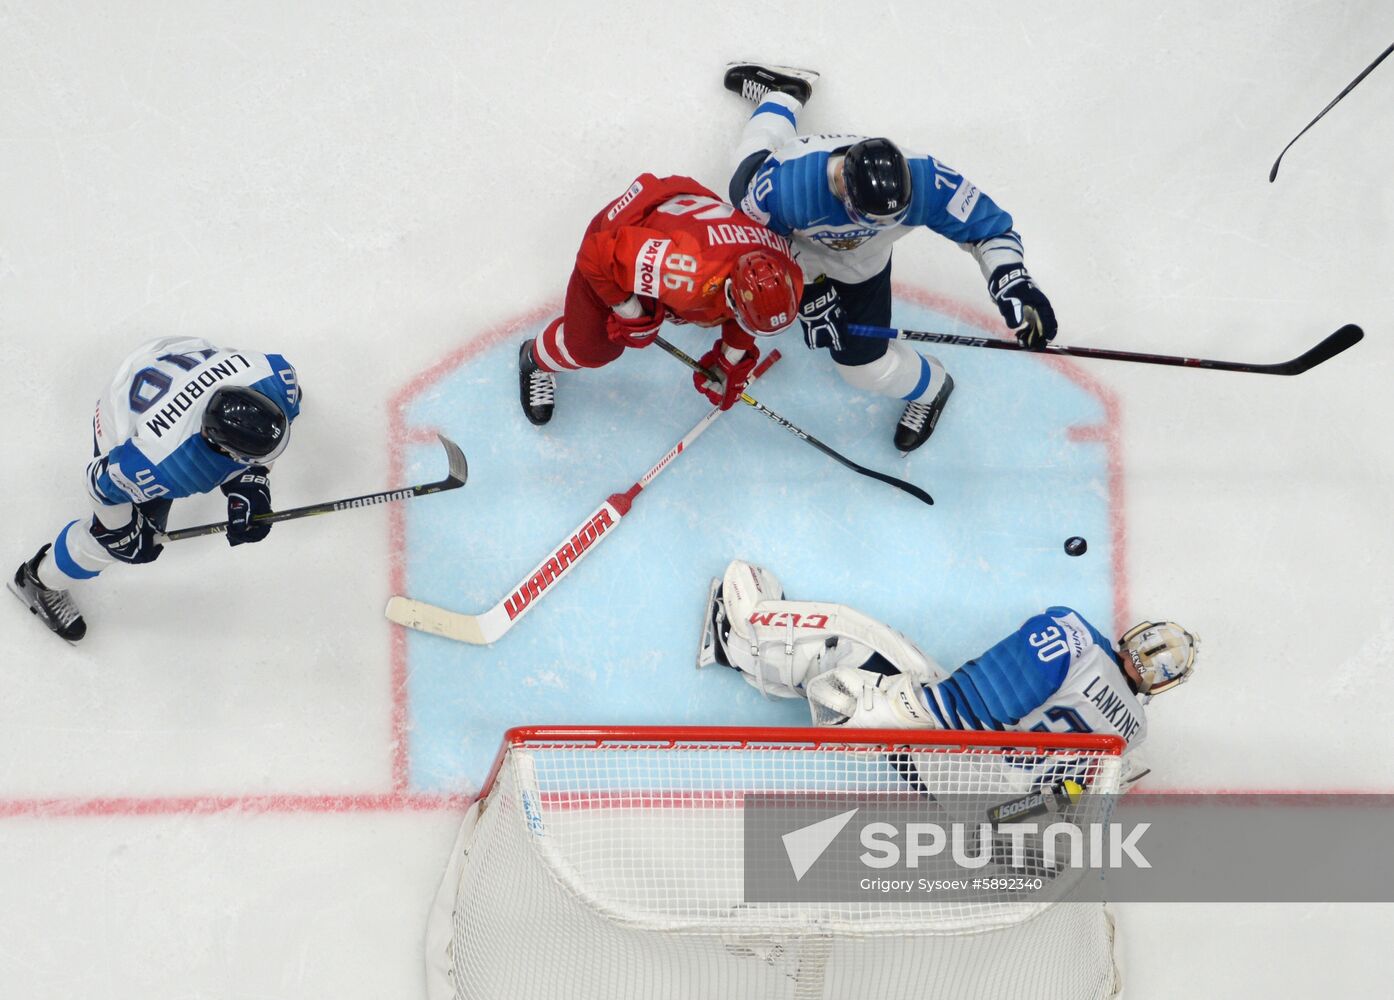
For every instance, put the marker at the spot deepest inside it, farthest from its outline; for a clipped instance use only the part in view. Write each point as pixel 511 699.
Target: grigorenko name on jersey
pixel 179 404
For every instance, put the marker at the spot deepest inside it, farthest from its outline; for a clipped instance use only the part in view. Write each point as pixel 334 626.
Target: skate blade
pixel 10 586
pixel 706 651
pixel 807 75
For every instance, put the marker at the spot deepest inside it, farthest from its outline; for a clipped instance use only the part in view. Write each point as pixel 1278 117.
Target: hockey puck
pixel 1076 546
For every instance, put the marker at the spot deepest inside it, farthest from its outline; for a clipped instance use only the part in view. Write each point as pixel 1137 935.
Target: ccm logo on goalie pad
pixel 557 563
pixel 646 264
pixel 790 618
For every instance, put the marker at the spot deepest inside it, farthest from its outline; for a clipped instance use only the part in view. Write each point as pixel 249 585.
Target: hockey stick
pixel 799 433
pixel 1273 174
pixel 458 473
pixel 489 626
pixel 1343 339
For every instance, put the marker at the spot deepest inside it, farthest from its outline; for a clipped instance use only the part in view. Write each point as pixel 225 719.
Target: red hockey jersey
pixel 671 239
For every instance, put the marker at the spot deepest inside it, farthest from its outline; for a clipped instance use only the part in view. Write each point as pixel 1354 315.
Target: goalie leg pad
pixel 781 646
pixel 860 699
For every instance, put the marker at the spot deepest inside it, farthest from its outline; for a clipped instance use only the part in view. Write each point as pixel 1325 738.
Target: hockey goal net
pixel 608 864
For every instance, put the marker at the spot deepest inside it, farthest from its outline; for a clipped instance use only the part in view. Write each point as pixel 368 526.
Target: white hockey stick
pixel 483 629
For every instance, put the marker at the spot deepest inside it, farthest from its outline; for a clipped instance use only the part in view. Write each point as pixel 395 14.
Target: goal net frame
pixel 557 798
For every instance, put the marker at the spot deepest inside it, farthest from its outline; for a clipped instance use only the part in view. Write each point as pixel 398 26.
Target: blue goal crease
pixel 616 641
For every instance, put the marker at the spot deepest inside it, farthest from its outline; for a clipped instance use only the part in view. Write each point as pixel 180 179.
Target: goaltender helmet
pixel 875 183
pixel 1162 653
pixel 763 293
pixel 245 425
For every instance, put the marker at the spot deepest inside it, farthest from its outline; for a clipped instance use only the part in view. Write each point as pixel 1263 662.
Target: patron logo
pixel 646 264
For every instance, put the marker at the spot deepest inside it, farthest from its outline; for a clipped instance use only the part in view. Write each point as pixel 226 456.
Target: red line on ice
pixel 398 437
pixel 208 805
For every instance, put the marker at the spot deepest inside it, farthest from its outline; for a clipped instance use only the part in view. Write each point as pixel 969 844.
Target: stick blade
pixel 1342 340
pixel 425 617
pixel 455 457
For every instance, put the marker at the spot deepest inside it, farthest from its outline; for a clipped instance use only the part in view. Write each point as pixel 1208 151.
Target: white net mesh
pixel 614 868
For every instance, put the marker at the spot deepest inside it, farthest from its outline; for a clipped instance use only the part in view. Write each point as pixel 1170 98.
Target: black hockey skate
pixel 918 420
pixel 753 81
pixel 55 608
pixel 537 390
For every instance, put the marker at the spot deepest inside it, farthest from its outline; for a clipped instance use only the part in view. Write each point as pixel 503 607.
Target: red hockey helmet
pixel 763 293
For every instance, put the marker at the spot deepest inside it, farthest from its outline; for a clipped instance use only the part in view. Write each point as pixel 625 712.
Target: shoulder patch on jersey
pixel 961 205
pixel 624 200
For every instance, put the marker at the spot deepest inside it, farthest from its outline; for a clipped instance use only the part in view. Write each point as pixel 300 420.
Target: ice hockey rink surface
pixel 244 782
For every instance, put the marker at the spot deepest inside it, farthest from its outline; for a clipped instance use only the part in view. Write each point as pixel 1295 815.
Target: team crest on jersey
pixel 843 241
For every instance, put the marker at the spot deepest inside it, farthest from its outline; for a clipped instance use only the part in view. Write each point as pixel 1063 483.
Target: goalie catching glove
pixel 865 699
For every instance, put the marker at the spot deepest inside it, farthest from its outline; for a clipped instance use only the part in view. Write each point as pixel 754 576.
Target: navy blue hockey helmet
pixel 876 183
pixel 245 425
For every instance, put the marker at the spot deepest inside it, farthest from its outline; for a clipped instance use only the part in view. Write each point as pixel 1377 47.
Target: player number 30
pixel 1049 644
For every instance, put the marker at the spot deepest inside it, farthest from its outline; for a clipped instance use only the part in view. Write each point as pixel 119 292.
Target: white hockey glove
pixel 864 699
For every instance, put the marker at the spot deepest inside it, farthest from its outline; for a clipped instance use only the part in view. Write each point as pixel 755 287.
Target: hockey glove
pixel 733 375
pixel 637 331
pixel 134 542
pixel 248 495
pixel 1023 306
pixel 823 318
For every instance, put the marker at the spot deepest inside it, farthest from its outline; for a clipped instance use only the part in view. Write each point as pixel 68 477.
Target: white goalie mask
pixel 1162 653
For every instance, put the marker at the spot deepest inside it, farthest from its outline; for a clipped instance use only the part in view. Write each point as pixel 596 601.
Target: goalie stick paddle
pixel 490 626
pixel 800 433
pixel 1343 339
pixel 455 478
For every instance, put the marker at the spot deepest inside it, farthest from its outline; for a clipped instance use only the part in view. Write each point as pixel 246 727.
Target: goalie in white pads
pixel 1056 673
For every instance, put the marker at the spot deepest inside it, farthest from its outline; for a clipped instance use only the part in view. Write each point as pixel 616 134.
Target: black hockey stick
pixel 1343 339
pixel 459 472
pixel 799 433
pixel 1273 174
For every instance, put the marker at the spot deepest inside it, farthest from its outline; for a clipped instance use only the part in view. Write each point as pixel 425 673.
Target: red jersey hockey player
pixel 667 249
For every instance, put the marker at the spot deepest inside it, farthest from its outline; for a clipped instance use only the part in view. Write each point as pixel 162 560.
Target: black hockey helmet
pixel 245 424
pixel 876 180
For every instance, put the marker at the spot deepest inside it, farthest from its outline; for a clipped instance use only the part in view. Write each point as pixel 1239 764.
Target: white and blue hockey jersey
pixel 791 193
pixel 146 428
pixel 1056 674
